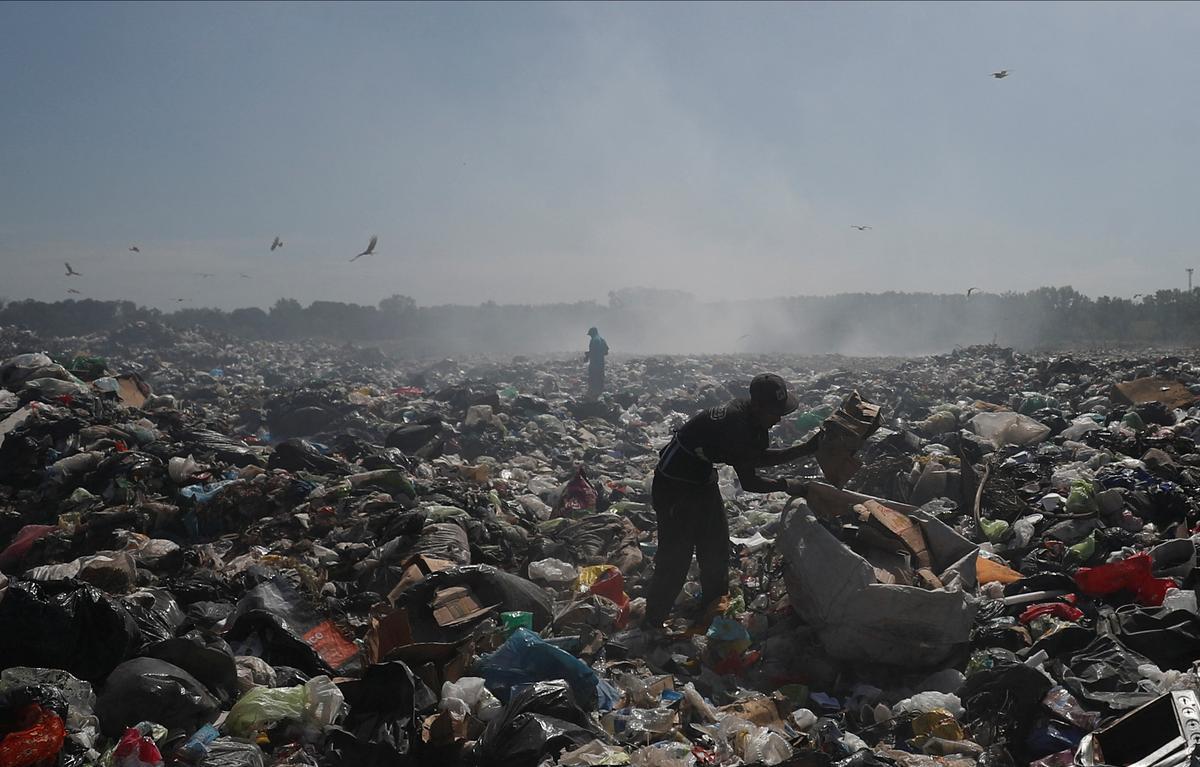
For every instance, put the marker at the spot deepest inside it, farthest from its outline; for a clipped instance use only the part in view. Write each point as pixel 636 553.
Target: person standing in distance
pixel 594 356
pixel 687 500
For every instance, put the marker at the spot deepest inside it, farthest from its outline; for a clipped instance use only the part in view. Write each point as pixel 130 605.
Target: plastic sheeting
pixel 856 617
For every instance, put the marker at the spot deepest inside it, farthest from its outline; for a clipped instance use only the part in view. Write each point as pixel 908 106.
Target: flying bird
pixel 278 243
pixel 134 249
pixel 70 272
pixel 244 275
pixel 179 300
pixel 73 290
pixel 1003 73
pixel 970 291
pixel 370 248
pixel 204 274
pixel 859 228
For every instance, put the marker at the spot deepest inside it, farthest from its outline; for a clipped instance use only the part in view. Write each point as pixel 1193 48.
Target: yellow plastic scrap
pixel 589 575
pixel 938 723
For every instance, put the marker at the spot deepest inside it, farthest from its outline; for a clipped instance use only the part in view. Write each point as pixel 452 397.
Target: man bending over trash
pixel 687 500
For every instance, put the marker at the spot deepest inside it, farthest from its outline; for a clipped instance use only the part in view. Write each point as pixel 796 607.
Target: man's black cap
pixel 770 392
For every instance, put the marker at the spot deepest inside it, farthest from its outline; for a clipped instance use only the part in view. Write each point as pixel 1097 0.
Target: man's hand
pixel 797 488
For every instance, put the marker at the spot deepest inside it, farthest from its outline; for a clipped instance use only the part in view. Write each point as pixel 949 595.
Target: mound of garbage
pixel 226 553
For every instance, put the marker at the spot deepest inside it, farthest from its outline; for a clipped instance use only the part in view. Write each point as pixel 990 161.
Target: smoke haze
pixel 543 153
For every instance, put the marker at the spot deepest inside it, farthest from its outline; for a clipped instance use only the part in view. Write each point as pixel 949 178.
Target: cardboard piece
pixel 415 569
pixel 842 434
pixel 457 605
pixel 132 390
pixel 1173 394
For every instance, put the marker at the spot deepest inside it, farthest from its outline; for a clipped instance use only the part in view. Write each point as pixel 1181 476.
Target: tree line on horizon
pixel 648 320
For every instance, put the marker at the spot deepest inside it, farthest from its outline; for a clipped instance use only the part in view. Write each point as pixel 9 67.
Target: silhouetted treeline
pixel 638 320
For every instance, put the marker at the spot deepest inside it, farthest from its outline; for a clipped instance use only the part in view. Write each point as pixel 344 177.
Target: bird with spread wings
pixel 370 248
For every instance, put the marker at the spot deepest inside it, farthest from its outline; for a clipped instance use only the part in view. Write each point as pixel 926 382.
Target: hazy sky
pixel 531 153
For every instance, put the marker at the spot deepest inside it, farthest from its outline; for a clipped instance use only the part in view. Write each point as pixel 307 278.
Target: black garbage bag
pixel 303 412
pixel 490 587
pixel 597 539
pixel 204 656
pixel 65 625
pixel 157 614
pixel 384 722
pixel 198 584
pixel 1009 696
pixel 1105 674
pixel 296 454
pixel 411 437
pixel 206 615
pixel 148 689
pixel 444 540
pixel 293 632
pixel 1169 638
pixel 542 720
pixel 224 448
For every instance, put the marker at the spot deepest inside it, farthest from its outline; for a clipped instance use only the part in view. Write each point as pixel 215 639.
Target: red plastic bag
pixel 137 750
pixel 1063 610
pixel 611 585
pixel 1132 574
pixel 578 495
pixel 15 553
pixel 40 742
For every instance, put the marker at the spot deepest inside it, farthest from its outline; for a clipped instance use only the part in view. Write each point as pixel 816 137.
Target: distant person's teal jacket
pixel 597 351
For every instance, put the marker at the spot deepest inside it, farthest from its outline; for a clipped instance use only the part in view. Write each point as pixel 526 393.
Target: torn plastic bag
pixel 384 722
pixel 148 689
pixel 65 625
pixel 490 587
pixel 525 657
pixel 204 656
pixel 293 633
pixel 857 617
pixel 542 720
pixel 1106 673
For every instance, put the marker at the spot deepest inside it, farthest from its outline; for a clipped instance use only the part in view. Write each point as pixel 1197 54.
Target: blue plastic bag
pixel 526 658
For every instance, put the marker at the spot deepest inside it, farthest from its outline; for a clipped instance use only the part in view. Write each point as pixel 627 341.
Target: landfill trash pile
pixel 230 554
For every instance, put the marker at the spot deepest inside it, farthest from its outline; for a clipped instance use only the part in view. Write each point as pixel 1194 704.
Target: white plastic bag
pixel 552 570
pixel 469 691
pixel 1009 429
pixel 924 702
pixel 766 746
